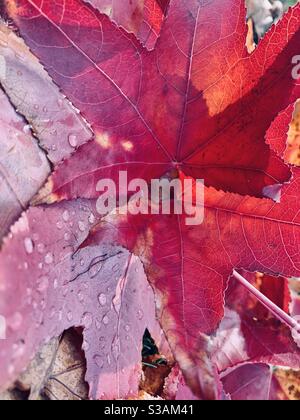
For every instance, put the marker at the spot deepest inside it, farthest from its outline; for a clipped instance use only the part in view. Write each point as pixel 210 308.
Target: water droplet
pixel 49 258
pixel 60 315
pixel 85 346
pixel 18 349
pixel 55 283
pixel 27 129
pixel 45 109
pixel 11 369
pixel 108 360
pixel 67 236
pixel 116 268
pixel 127 328
pixel 59 225
pixel 41 248
pixel 87 320
pixel 66 216
pixel 105 320
pixel 80 296
pixel 81 262
pixel 81 226
pixel 73 140
pixel 28 245
pixel 70 316
pixel 15 321
pixel 43 283
pixel 35 237
pixel 92 219
pixel 99 361
pixel 102 299
pixel 52 312
pixel 140 314
pixel 36 107
pixel 98 324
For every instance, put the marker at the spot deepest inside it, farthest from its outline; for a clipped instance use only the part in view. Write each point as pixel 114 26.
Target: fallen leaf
pixel 102 289
pixel 57 124
pixel 144 18
pixel 255 383
pixel 23 166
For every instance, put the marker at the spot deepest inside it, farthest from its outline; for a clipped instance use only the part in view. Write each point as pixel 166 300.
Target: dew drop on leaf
pixel 92 219
pixel 66 216
pixel 49 258
pixel 81 226
pixel 72 140
pixel 18 349
pixel 43 284
pixel 102 299
pixel 28 245
pixel 99 361
pixel 41 248
pixel 80 296
pixel 15 321
pixel 87 320
pixel 59 225
pixel 67 236
pixel 140 314
pixel 85 346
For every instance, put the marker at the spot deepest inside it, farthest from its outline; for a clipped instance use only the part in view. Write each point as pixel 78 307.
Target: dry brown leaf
pixel 290 383
pixel 56 373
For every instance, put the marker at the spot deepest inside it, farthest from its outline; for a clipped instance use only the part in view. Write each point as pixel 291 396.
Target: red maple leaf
pixel 254 382
pixel 144 18
pixel 196 106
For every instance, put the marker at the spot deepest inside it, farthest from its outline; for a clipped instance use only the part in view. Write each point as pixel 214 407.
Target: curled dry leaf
pixel 56 373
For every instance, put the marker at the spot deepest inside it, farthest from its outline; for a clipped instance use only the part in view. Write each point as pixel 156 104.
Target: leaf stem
pixel 267 303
